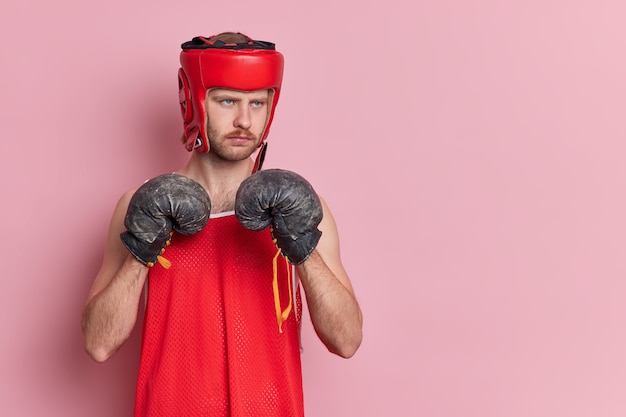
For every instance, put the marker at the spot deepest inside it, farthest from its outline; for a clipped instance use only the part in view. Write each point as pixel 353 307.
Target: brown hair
pixel 231 37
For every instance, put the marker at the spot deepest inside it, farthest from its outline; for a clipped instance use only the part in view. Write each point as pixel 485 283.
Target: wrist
pixel 135 266
pixel 312 261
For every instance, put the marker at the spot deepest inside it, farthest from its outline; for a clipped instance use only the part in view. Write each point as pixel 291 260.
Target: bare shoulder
pixel 329 247
pixel 328 225
pixel 114 251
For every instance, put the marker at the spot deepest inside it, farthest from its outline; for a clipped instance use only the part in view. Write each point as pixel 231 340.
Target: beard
pixel 218 145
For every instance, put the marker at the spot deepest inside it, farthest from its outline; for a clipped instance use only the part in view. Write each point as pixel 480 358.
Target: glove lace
pixel 281 315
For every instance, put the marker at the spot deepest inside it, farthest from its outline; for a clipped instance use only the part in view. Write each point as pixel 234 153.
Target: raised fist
pixel 288 204
pixel 167 203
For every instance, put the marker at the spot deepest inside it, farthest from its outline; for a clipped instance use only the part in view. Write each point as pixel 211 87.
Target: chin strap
pixel 260 158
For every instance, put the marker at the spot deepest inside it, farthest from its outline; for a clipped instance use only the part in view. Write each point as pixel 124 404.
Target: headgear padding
pixel 208 64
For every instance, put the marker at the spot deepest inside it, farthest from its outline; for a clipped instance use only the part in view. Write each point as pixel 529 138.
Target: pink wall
pixel 472 152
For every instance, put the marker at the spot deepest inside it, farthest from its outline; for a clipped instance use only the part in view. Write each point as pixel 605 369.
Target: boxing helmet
pixel 208 63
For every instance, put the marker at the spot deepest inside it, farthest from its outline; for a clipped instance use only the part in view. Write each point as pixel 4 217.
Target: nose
pixel 243 117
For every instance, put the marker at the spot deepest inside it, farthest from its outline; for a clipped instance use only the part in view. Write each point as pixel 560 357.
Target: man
pixel 216 245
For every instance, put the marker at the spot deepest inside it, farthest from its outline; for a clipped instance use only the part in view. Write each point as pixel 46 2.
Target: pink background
pixel 472 153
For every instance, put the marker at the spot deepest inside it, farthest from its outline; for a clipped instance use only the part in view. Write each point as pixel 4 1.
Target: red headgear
pixel 207 64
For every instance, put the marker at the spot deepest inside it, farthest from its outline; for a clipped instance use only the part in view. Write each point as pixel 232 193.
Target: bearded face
pixel 236 121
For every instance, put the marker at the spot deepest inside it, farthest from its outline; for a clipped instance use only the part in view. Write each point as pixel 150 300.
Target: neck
pixel 219 177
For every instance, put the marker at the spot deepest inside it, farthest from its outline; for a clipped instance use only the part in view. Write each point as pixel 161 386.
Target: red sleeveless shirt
pixel 220 335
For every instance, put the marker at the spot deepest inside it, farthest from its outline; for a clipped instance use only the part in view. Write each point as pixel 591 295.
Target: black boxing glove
pixel 288 204
pixel 162 204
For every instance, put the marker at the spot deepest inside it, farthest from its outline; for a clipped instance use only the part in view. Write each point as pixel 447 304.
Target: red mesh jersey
pixel 211 343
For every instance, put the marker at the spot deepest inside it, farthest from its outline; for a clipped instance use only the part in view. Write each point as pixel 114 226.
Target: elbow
pixel 352 341
pixel 344 341
pixel 350 350
pixel 96 352
pixel 99 354
pixel 95 348
pixel 348 347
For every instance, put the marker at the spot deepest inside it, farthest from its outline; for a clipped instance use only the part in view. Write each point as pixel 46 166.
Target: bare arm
pixel 333 307
pixel 112 305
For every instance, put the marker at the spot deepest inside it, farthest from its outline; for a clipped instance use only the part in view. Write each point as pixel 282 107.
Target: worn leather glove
pixel 167 203
pixel 288 204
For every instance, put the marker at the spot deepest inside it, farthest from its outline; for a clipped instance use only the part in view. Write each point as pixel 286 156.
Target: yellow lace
pixel 281 315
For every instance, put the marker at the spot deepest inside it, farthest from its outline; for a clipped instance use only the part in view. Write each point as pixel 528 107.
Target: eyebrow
pixel 226 95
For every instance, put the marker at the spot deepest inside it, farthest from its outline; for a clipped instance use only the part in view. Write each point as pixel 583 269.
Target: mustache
pixel 242 132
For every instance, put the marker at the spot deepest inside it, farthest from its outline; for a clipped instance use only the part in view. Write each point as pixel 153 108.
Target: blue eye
pixel 227 101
